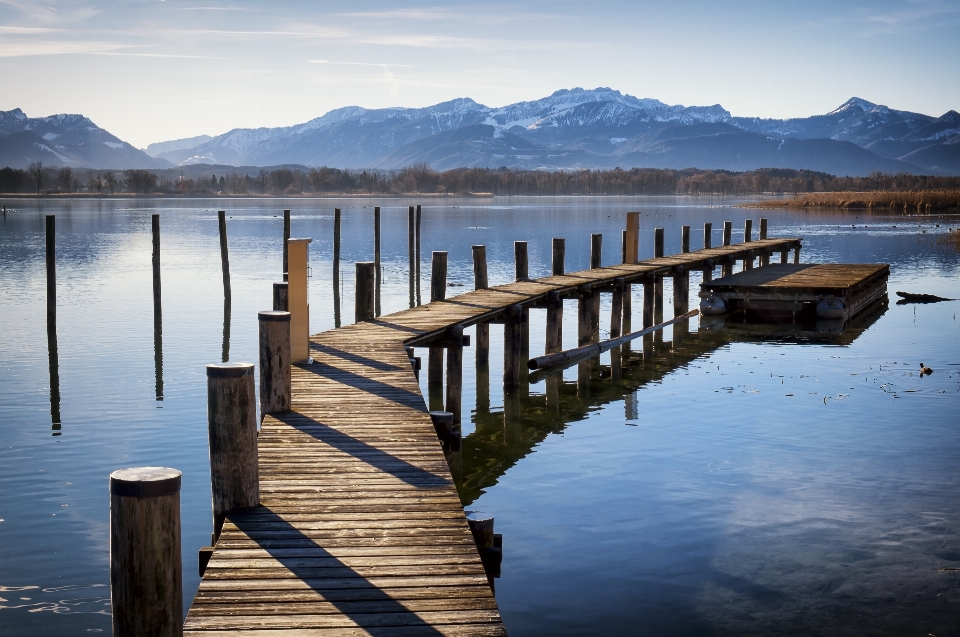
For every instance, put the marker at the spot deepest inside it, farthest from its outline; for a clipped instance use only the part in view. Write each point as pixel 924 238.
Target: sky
pixel 151 71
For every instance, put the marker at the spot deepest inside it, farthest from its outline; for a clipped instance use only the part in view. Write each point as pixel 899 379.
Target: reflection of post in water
pixel 483 386
pixel 157 313
pixel 51 221
pixel 616 367
pixel 630 410
pixel 584 371
pixel 336 267
pixel 511 416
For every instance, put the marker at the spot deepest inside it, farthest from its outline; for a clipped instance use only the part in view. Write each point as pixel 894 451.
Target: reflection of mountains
pixel 501 440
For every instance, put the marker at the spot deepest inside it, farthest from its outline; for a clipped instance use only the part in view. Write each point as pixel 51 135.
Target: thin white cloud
pixel 158 55
pixel 406 66
pixel 55 47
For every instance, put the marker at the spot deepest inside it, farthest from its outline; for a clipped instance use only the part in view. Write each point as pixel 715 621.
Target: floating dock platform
pixel 837 291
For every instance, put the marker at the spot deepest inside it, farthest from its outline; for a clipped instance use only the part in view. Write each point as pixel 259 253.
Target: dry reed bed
pixel 908 201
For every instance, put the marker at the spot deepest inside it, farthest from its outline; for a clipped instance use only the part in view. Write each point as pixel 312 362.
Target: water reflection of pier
pixel 505 436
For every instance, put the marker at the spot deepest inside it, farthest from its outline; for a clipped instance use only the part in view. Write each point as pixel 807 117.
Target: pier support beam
pixel 512 357
pixel 480 283
pixel 616 308
pixel 727 266
pixel 438 292
pixel 585 318
pixel 796 254
pixel 455 373
pixel 554 337
pixel 521 270
pixel 627 301
pixel 146 572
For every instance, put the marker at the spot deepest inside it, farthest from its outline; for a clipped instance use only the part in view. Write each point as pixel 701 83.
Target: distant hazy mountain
pixel 577 128
pixel 599 128
pixel 65 140
pixel 176 146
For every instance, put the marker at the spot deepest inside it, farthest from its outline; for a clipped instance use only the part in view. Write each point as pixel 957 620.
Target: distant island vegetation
pixel 294 181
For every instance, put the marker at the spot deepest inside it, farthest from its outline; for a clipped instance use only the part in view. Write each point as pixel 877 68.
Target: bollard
pixel 280 297
pixel 442 423
pixel 364 301
pixel 232 432
pixel 747 230
pixel 763 228
pixel 520 260
pixel 559 252
pixel 274 362
pixel 512 347
pixel 297 301
pixel 685 239
pixel 146 572
pixel 454 395
pixel 480 283
pixel 707 236
pixel 438 277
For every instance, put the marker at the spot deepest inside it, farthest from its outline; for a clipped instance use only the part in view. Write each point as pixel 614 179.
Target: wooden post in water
pixel 748 238
pixel 554 338
pixel 763 228
pixel 596 261
pixel 626 325
pixel 796 254
pixel 685 239
pixel 584 315
pixel 419 251
pixel 54 359
pixel 146 569
pixel 280 297
pixel 521 269
pixel 455 373
pixel 274 362
pixel 764 253
pixel 286 237
pixel 727 267
pixel 157 311
pixel 297 300
pixel 785 255
pixel 649 303
pixel 512 362
pixel 559 252
pixel 232 431
pixel 336 266
pixel 707 244
pixel 658 292
pixel 224 256
pixel 411 252
pixel 364 307
pixel 480 283
pixel 632 239
pixel 376 257
pixel 616 307
pixel 438 292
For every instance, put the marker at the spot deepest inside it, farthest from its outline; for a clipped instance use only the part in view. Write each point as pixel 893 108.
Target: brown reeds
pixel 952 239
pixel 905 201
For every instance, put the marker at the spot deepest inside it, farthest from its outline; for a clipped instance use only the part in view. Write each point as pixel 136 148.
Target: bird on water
pixel 924 370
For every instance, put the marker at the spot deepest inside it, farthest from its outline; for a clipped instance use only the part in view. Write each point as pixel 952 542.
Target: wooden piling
pixel 280 297
pixel 726 268
pixel 418 217
pixel 157 311
pixel 616 308
pixel 455 373
pixel 224 256
pixel 232 432
pixel 681 284
pixel 658 286
pixel 596 246
pixel 747 230
pixel 146 572
pixel 438 292
pixel 275 385
pixel 286 237
pixel 554 337
pixel 585 320
pixel 364 306
pixel 520 261
pixel 480 283
pixel 685 239
pixel 707 236
pixel 336 268
pixel 512 357
pixel 378 270
pixel 411 253
pixel 763 228
pixel 796 254
pixel 627 301
pixel 632 240
pixel 54 359
pixel 785 255
pixel 649 290
pixel 559 251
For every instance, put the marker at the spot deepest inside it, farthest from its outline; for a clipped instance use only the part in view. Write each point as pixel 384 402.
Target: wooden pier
pixel 360 530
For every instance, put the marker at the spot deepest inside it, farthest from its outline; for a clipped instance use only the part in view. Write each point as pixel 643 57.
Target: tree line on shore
pixel 39 179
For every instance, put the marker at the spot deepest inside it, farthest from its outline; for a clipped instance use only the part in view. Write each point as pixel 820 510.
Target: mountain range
pixel 575 128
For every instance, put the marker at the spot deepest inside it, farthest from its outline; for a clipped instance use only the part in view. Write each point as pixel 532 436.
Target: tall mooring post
pixel 727 268
pixel 365 297
pixel 480 283
pixel 438 292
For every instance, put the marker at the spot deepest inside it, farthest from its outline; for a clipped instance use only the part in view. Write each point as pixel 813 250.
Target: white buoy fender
pixel 712 305
pixel 831 308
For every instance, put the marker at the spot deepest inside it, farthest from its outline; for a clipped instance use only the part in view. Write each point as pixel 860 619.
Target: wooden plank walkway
pixel 360 529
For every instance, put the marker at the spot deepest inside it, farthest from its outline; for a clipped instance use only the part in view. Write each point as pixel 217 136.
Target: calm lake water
pixel 732 483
